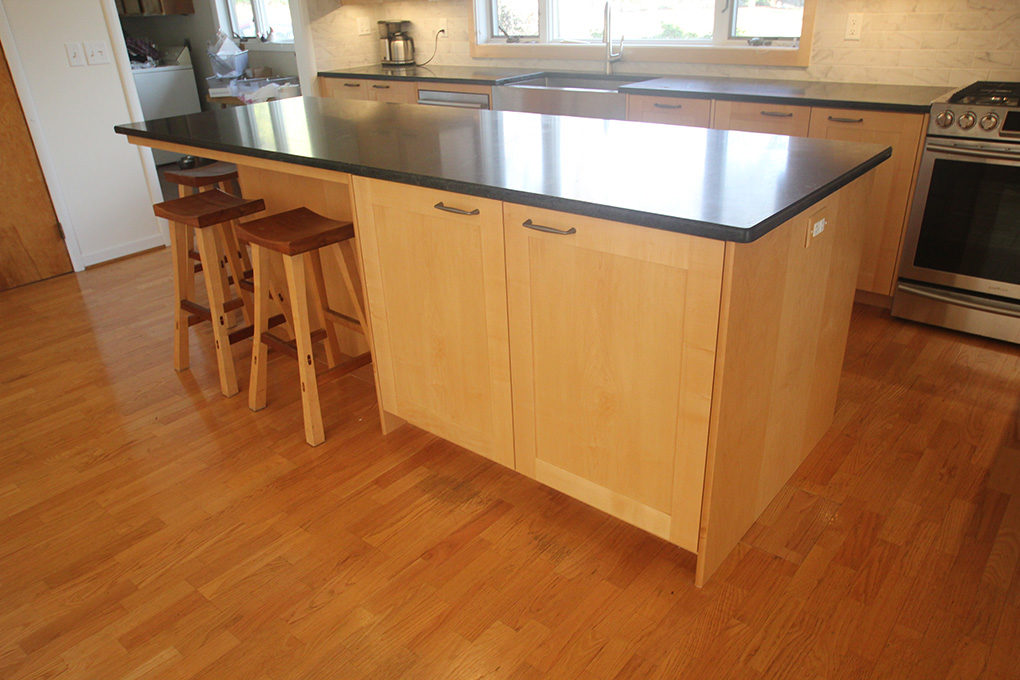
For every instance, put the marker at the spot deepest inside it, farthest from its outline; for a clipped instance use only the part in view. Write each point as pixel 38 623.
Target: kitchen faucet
pixel 611 57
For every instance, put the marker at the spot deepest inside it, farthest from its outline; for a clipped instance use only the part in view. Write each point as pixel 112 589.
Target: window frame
pixel 227 20
pixel 723 50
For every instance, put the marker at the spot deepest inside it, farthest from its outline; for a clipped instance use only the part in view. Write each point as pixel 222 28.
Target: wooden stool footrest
pixel 345 367
pixel 288 347
pixel 344 320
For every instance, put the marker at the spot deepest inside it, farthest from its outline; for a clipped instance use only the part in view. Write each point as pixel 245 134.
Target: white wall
pixel 99 182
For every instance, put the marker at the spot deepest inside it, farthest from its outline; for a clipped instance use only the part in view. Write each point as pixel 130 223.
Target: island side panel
pixel 613 331
pixel 785 313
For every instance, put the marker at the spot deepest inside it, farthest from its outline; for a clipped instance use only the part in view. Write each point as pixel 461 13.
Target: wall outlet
pixel 364 26
pixel 441 24
pixel 97 52
pixel 75 54
pixel 854 22
pixel 816 227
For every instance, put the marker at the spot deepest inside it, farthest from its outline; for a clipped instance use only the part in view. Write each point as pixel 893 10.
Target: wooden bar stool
pixel 299 236
pixel 205 213
pixel 203 178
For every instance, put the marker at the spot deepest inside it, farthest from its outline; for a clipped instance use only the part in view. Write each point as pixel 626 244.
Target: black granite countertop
pixel 719 184
pixel 904 98
pixel 440 74
pixel 907 98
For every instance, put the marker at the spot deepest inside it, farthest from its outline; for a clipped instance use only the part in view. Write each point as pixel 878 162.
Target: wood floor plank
pixel 151 529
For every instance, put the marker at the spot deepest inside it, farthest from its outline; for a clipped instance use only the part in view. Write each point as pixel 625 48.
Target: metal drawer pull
pixel 381 87
pixel 549 230
pixel 837 119
pixel 456 211
pixel 667 106
pixel 777 114
pixel 352 84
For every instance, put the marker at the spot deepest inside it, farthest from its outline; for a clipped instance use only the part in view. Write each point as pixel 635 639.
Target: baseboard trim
pixel 131 248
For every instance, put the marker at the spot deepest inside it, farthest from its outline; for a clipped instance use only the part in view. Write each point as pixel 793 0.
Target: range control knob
pixel 944 119
pixel 967 120
pixel 989 121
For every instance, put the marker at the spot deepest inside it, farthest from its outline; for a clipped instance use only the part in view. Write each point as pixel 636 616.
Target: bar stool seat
pixel 208 208
pixel 204 175
pixel 298 236
pixel 206 216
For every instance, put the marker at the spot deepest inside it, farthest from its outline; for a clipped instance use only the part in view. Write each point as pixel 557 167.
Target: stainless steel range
pixel 961 257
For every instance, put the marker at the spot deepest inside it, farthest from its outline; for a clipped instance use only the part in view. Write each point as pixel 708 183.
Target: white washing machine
pixel 167 91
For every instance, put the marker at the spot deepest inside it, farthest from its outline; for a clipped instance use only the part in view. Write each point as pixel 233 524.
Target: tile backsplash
pixel 908 42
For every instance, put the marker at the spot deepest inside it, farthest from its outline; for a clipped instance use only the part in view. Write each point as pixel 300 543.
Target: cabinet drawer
pixel 344 88
pixel 399 91
pixel 671 110
pixel 776 119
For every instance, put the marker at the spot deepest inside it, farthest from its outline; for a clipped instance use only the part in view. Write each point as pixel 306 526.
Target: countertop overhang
pixel 725 185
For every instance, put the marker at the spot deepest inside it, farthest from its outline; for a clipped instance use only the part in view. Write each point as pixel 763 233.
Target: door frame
pixel 23 87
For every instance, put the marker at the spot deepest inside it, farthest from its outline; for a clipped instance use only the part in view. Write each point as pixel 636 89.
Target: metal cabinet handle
pixel 381 87
pixel 838 119
pixel 352 84
pixel 456 211
pixel 777 114
pixel 667 106
pixel 549 230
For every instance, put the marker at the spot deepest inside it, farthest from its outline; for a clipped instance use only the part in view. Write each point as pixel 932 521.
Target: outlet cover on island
pixel 364 26
pixel 853 26
pixel 75 54
pixel 97 52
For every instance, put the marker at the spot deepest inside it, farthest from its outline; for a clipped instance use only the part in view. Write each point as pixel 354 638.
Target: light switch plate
pixel 75 54
pixel 364 26
pixel 97 52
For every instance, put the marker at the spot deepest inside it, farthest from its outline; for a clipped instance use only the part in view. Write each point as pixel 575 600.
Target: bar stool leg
pixel 184 283
pixel 216 284
pixel 232 251
pixel 294 267
pixel 259 351
pixel 332 343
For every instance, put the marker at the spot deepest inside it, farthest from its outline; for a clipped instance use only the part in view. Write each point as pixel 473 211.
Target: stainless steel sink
pixel 590 96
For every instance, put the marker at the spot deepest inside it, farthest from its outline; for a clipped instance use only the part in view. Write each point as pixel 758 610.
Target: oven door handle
pixel 992 306
pixel 979 153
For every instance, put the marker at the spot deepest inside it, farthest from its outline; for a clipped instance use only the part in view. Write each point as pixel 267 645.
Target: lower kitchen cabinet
pixel 399 91
pixel 434 273
pixel 776 119
pixel 669 110
pixel 613 338
pixel 890 195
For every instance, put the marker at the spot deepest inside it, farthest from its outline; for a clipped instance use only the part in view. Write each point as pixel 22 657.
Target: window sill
pixel 695 54
pixel 256 45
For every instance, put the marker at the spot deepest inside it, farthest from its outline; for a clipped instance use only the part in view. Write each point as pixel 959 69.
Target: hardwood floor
pixel 150 528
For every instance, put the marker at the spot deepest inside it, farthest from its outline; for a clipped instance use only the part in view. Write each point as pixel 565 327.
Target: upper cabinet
pixel 155 7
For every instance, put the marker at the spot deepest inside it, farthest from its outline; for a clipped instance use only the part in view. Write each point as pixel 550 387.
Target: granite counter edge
pixel 718 232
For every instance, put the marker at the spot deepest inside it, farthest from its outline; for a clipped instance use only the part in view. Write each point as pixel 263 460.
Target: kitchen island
pixel 648 318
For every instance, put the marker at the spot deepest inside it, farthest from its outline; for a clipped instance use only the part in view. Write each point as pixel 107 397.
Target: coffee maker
pixel 397 46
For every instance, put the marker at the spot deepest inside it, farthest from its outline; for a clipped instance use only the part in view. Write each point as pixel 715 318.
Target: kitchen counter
pixel 518 306
pixel 905 98
pixel 440 74
pixel 733 186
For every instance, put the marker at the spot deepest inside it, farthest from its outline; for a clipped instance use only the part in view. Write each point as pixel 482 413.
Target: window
pixel 267 20
pixel 751 26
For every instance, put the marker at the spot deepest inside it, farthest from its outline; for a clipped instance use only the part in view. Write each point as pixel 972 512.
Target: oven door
pixel 964 227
